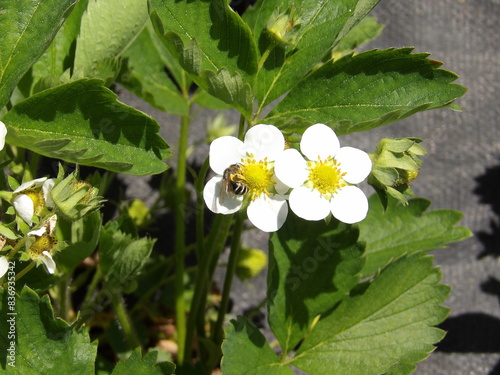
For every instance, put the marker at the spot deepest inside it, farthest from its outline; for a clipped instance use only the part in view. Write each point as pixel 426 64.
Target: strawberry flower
pixel 251 171
pixel 324 183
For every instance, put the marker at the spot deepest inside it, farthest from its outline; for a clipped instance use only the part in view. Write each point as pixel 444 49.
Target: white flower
pixel 3 133
pixel 44 243
pixel 322 183
pixel 31 197
pixel 4 266
pixel 252 172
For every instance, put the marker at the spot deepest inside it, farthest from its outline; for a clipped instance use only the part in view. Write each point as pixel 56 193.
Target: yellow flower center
pixel 257 176
pixel 325 176
pixel 37 197
pixel 45 242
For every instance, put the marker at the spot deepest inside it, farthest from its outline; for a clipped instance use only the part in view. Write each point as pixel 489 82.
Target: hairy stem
pixel 125 321
pixel 228 280
pixel 180 234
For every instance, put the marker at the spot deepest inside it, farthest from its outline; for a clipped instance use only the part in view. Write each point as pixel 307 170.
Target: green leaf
pixel 145 75
pixel 213 44
pixel 400 229
pixel 143 366
pixel 26 27
pixel 388 324
pixel 82 122
pixel 82 236
pixel 59 56
pixel 246 351
pixel 122 257
pixel 107 29
pixel 43 343
pixel 365 91
pixel 312 266
pixel 366 30
pixel 322 25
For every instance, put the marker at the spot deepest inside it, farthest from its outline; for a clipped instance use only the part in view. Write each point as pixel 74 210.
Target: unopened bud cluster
pixel 396 164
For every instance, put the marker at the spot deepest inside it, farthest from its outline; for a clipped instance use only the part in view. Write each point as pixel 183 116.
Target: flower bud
pixel 283 27
pixel 250 263
pixel 395 166
pixel 74 199
pixel 218 127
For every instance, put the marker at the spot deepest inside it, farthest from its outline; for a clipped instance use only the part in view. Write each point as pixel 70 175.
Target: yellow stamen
pixel 325 176
pixel 257 175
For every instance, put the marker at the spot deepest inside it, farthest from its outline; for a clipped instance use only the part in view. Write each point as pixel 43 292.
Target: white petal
pixel 24 207
pixel 28 184
pixel 291 168
pixel 225 151
pixel 46 188
pixel 319 140
pixel 268 213
pixel 309 204
pixel 212 196
pixel 4 266
pixel 38 232
pixel 48 261
pixel 264 141
pixel 349 205
pixel 355 163
pixel 280 187
pixel 3 133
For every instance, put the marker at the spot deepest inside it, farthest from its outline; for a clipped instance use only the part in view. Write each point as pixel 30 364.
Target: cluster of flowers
pixel 38 204
pixel 261 174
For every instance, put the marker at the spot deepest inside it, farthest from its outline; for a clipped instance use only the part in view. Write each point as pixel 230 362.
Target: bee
pixel 233 182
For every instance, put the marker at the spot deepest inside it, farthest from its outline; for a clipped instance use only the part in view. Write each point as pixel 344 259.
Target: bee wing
pixel 224 190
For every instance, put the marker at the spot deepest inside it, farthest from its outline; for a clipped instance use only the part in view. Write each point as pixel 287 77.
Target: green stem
pixel 241 128
pixel 65 309
pixel 228 280
pixel 204 257
pixel 266 53
pixel 25 270
pixel 200 208
pixel 180 233
pixel 92 287
pixel 125 321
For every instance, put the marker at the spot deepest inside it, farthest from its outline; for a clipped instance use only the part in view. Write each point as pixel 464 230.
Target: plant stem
pixel 125 322
pixel 201 275
pixel 215 242
pixel 228 280
pixel 25 270
pixel 65 309
pixel 93 285
pixel 241 128
pixel 180 233
pixel 200 208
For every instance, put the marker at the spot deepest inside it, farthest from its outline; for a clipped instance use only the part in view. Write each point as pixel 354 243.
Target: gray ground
pixel 462 170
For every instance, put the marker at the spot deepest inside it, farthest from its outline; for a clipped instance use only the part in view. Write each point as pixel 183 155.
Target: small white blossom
pixel 27 199
pixel 44 243
pixel 323 183
pixel 4 266
pixel 3 133
pixel 252 163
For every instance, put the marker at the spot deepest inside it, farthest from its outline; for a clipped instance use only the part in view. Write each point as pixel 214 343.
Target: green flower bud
pixel 250 263
pixel 218 127
pixel 74 199
pixel 283 27
pixel 139 213
pixel 396 164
